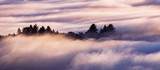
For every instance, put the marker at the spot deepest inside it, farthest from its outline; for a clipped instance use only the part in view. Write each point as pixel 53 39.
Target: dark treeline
pixel 32 30
pixel 92 32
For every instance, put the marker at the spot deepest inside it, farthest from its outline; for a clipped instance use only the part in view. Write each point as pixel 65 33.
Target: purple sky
pixel 78 15
pixel 137 48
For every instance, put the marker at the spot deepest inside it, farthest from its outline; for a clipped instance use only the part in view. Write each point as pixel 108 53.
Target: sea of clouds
pixel 136 45
pixel 48 52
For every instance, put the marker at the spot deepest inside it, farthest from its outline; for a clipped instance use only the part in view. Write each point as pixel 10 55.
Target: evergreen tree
pixel 92 32
pixel 26 30
pixel 30 29
pixel 53 31
pixel 19 31
pixel 35 29
pixel 41 30
pixel 57 32
pixel 110 28
pixel 48 30
pixel 103 30
pixel 1 37
pixel 92 29
pixel 71 34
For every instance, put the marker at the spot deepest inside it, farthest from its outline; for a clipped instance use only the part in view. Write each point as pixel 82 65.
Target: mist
pixel 48 52
pixel 134 45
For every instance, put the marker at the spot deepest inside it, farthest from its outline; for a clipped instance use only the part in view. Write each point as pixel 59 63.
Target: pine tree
pixel 19 31
pixel 53 31
pixel 30 28
pixel 92 32
pixel 26 30
pixel 110 28
pixel 106 29
pixel 103 30
pixel 48 30
pixel 41 30
pixel 57 32
pixel 92 29
pixel 35 29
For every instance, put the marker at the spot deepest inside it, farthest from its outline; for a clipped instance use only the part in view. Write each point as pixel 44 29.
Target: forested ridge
pixel 92 32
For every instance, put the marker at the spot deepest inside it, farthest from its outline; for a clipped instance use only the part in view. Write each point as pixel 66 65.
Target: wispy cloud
pixel 148 2
pixel 122 12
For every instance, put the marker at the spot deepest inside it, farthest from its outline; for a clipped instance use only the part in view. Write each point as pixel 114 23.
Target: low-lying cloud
pixel 50 52
pixel 134 47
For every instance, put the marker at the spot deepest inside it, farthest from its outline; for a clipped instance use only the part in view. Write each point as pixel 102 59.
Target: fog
pixel 49 52
pixel 135 45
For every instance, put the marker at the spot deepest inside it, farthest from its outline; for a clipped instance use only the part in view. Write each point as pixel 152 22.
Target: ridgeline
pixel 92 32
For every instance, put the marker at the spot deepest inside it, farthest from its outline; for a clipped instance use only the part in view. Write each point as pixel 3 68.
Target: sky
pixel 78 15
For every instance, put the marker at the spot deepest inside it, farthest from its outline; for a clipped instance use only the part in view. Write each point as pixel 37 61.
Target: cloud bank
pixel 57 52
pixel 136 49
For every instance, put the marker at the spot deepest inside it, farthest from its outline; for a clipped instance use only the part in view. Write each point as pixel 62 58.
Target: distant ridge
pixel 92 32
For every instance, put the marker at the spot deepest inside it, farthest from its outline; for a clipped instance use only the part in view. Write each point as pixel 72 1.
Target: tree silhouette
pixel 41 30
pixel 24 30
pixel 19 31
pixel 53 31
pixel 92 29
pixel 1 37
pixel 35 29
pixel 71 34
pixel 28 30
pixel 110 28
pixel 107 29
pixel 48 30
pixel 91 32
pixel 75 36
pixel 103 30
pixel 31 27
pixel 57 32
pixel 81 34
